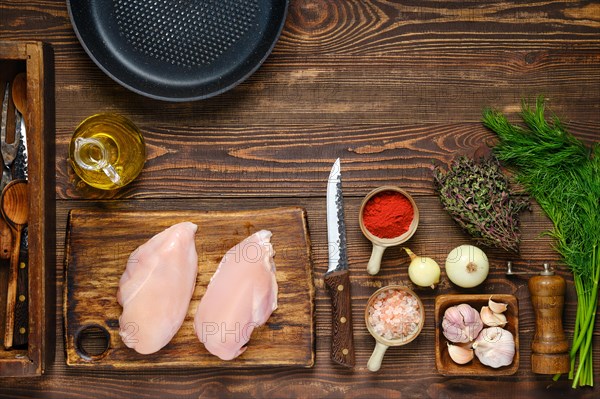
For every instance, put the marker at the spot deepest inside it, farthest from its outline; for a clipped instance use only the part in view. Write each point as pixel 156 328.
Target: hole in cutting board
pixel 92 342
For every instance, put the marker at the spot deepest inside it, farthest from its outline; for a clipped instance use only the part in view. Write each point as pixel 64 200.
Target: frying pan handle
pixel 377 357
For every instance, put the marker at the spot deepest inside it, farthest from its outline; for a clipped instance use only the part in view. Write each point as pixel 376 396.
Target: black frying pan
pixel 178 50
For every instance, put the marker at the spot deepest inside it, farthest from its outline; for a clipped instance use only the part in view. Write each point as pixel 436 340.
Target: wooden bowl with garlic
pixel 477 335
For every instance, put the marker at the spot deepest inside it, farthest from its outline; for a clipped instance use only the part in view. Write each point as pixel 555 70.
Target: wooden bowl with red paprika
pixel 388 216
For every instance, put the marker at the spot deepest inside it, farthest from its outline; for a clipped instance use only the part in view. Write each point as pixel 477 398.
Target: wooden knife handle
pixel 11 292
pixel 342 340
pixel 21 331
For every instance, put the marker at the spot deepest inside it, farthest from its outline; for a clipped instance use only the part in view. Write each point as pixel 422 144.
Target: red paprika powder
pixel 388 214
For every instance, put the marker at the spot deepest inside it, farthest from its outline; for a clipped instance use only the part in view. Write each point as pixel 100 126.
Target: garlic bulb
pixel 461 323
pixel 497 307
pixel 460 355
pixel 495 347
pixel 492 319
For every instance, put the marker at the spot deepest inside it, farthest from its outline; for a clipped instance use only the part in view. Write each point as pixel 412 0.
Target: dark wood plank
pixel 292 161
pixel 438 87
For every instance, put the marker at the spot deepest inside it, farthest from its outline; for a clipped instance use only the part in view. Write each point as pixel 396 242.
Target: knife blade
pixel 19 169
pixel 21 326
pixel 337 277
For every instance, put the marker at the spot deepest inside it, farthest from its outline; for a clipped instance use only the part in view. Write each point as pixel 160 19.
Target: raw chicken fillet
pixel 241 295
pixel 156 288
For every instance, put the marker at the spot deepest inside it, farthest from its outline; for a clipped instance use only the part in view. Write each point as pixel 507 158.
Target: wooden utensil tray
pixel 99 244
pixel 36 60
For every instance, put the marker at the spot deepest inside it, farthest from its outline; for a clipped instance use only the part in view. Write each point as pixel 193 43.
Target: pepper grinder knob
pixel 550 349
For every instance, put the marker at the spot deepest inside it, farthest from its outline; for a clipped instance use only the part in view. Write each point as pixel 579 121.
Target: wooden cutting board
pixel 98 245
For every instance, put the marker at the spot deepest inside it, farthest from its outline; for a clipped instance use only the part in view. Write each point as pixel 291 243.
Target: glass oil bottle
pixel 107 151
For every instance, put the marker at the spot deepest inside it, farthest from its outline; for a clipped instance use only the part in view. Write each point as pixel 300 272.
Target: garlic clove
pixel 461 323
pixel 497 307
pixel 495 347
pixel 472 320
pixel 492 319
pixel 460 355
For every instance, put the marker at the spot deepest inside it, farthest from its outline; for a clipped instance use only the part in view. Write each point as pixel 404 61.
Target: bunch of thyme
pixel 477 196
pixel 563 175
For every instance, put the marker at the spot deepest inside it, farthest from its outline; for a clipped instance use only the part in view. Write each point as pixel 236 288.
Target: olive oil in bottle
pixel 107 151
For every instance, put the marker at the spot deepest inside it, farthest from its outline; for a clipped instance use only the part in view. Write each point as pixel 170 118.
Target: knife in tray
pixel 21 326
pixel 337 278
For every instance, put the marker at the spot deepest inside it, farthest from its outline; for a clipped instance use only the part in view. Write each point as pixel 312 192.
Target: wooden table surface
pixel 388 86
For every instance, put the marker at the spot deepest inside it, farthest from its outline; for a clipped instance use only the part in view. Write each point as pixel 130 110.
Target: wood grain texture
pixel 342 336
pixel 100 243
pixel 208 162
pixel 390 86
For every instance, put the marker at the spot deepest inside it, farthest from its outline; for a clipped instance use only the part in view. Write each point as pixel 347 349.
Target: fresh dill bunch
pixel 563 175
pixel 560 172
pixel 477 196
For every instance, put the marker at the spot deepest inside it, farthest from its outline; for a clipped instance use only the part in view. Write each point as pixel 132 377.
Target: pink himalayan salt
pixel 395 314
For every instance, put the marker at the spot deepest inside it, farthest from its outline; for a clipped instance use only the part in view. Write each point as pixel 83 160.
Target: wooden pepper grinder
pixel 550 349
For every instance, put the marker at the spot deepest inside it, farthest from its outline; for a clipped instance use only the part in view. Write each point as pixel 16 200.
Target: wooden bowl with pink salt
pixel 394 316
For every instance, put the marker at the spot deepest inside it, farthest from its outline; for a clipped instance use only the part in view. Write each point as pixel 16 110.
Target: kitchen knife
pixel 337 278
pixel 21 326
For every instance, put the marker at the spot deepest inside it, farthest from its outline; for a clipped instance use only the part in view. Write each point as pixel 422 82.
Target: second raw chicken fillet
pixel 241 295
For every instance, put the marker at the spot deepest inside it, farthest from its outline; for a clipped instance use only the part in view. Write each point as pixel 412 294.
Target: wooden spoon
pixel 19 92
pixel 15 209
